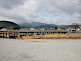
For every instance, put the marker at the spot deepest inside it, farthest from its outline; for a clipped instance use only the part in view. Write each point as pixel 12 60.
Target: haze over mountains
pixel 41 25
pixel 31 25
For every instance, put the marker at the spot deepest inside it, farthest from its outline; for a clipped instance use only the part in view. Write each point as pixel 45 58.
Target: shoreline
pixel 51 36
pixel 54 36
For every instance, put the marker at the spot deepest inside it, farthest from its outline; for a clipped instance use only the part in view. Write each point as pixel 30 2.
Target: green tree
pixel 16 27
pixel 56 28
pixel 75 26
pixel 46 28
pixel 63 28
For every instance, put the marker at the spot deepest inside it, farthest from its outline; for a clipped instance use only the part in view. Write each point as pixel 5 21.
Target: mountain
pixel 33 24
pixel 4 23
pixel 41 25
pixel 63 26
pixel 45 26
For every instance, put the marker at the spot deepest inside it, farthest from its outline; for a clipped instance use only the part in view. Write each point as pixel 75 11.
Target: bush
pixel 16 28
pixel 62 28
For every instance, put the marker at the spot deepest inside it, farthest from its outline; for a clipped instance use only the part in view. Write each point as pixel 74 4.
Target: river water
pixel 40 49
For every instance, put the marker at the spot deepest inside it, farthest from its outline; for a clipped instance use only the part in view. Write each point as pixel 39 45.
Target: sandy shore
pixel 40 50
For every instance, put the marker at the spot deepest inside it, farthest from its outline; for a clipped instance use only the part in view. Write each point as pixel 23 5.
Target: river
pixel 40 49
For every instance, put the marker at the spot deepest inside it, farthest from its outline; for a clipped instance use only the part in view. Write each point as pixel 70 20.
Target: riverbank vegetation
pixel 55 36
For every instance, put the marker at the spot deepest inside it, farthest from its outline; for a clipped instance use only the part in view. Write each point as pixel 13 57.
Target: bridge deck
pixel 19 33
pixel 23 31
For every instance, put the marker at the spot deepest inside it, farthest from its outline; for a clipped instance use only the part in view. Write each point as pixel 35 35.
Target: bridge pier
pixel 48 32
pixel 18 34
pixel 41 33
pixel 34 33
pixel 27 34
pixel 7 35
pixel 3 35
pixel 23 34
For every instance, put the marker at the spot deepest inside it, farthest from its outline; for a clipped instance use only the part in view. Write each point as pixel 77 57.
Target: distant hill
pixel 41 25
pixel 33 24
pixel 4 23
pixel 45 26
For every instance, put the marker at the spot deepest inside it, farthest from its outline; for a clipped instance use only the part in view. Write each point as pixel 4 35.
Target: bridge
pixel 20 33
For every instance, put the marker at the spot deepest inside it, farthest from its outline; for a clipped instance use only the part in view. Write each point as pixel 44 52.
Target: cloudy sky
pixel 45 11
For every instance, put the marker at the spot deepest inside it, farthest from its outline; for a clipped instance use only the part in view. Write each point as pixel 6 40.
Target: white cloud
pixel 23 11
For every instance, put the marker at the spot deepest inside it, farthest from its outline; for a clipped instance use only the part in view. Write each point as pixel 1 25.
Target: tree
pixel 46 28
pixel 75 26
pixel 16 27
pixel 63 28
pixel 56 28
